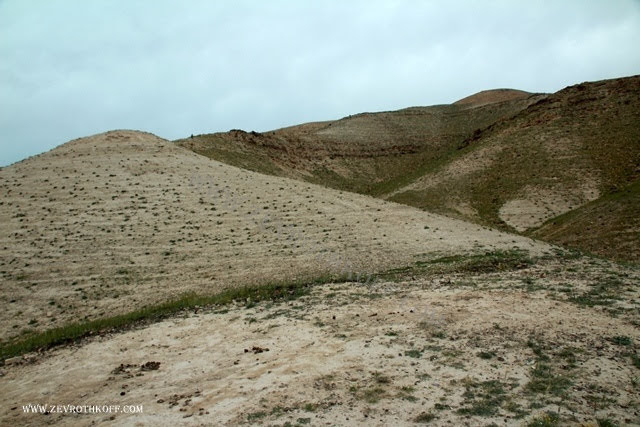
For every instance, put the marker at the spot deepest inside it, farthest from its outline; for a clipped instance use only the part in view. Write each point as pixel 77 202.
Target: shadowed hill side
pixel 110 223
pixel 370 153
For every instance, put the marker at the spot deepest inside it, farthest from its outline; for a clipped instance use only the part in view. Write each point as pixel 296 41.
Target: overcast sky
pixel 74 68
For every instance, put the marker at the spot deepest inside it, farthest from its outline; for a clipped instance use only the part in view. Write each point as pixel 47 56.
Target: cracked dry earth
pixel 503 348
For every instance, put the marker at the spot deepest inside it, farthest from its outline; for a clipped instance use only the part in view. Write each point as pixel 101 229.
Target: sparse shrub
pixel 373 395
pixel 635 360
pixel 483 398
pixel 413 353
pixel 256 415
pixel 381 378
pixel 621 340
pixel 549 419
pixel 545 381
pixel 486 354
pixel 425 417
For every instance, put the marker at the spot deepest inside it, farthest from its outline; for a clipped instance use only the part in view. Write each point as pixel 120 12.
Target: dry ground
pixel 454 330
pixel 109 223
pixel 502 348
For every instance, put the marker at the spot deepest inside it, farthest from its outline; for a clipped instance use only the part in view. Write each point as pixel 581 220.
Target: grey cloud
pixel 72 68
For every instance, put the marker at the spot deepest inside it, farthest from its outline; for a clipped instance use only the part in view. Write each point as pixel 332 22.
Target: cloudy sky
pixel 73 68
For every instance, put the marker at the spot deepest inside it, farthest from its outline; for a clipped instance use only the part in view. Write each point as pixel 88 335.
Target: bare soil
pixel 456 349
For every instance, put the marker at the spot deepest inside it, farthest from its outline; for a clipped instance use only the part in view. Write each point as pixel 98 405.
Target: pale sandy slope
pixel 118 220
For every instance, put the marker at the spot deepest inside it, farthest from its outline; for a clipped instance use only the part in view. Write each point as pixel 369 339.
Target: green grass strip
pixel 479 263
pixel 75 331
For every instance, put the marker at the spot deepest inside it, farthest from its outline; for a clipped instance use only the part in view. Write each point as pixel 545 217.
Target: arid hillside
pixel 609 226
pixel 113 222
pixel 368 153
pixel 566 150
pixel 491 97
pixel 502 158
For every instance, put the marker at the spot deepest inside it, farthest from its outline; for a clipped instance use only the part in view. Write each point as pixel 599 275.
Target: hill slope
pixel 109 223
pixel 492 96
pixel 503 158
pixel 457 348
pixel 608 226
pixel 368 153
pixel 460 324
pixel 566 150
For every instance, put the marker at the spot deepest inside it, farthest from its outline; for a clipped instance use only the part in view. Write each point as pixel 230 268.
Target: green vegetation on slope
pixel 251 294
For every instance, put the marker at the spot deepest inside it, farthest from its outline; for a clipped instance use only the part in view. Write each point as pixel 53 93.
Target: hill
pixel 492 96
pixel 139 275
pixel 110 223
pixel 568 149
pixel 503 158
pixel 368 153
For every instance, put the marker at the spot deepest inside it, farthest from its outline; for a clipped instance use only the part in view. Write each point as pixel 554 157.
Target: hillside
pixel 492 96
pixel 368 153
pixel 608 226
pixel 567 150
pixel 136 272
pixel 503 158
pixel 110 223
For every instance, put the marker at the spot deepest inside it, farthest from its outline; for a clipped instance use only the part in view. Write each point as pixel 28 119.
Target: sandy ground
pixel 441 348
pixel 112 222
